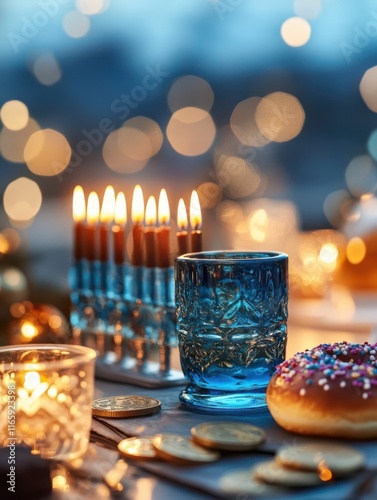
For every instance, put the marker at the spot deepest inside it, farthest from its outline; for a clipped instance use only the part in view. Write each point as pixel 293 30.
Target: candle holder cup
pixel 231 325
pixel 46 395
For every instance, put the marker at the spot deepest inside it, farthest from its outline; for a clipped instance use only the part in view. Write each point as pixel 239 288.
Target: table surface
pixel 160 480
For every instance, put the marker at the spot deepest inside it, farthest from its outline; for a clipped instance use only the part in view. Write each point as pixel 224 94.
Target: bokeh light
pixel 152 132
pixel 46 69
pixel 210 194
pixel 334 206
pixel 14 115
pixel 372 144
pixel 229 211
pixel 22 200
pixel 75 24
pixel 367 88
pixel 92 7
pixel 356 250
pixel 190 91
pixel 296 31
pixel 237 177
pixel 114 152
pixel 191 131
pixel 361 175
pixel 12 143
pixel 243 125
pixel 280 117
pixel 309 9
pixel 47 152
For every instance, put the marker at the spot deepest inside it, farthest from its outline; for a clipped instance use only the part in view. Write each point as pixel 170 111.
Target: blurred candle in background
pixel 106 216
pixel 78 212
pixel 120 219
pixel 182 235
pixel 137 215
pixel 195 222
pixel 92 217
pixel 150 232
pixel 163 232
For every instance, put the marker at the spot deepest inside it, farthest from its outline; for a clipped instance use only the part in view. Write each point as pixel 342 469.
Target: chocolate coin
pixel 125 406
pixel 240 482
pixel 228 436
pixel 274 473
pixel 137 447
pixel 337 459
pixel 181 450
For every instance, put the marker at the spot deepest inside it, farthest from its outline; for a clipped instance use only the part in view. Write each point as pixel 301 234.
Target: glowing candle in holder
pixel 196 222
pixel 163 232
pixel 137 214
pixel 52 390
pixel 78 212
pixel 92 218
pixel 150 232
pixel 106 217
pixel 182 235
pixel 120 218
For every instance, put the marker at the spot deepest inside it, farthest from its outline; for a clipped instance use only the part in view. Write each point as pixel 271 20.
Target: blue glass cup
pixel 232 312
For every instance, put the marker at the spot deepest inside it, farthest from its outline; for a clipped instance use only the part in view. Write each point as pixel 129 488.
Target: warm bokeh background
pixel 267 108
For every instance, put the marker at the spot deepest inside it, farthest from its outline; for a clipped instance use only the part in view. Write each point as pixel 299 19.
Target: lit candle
pixel 137 230
pixel 106 216
pixel 120 218
pixel 182 235
pixel 78 212
pixel 92 217
pixel 150 232
pixel 196 222
pixel 163 232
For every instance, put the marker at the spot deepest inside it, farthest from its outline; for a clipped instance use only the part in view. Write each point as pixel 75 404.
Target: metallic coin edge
pixel 137 457
pixel 126 413
pixel 179 460
pixel 219 445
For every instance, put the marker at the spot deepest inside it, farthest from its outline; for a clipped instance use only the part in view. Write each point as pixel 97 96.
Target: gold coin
pixel 125 406
pixel 272 472
pixel 336 459
pixel 240 482
pixel 181 450
pixel 137 447
pixel 228 436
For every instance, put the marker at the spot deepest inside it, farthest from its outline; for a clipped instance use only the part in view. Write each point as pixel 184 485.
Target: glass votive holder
pixel 231 326
pixel 46 391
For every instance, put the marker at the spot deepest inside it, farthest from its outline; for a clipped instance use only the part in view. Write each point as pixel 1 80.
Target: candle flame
pixel 32 380
pixel 151 212
pixel 108 203
pixel 163 208
pixel 182 215
pixel 78 204
pixel 28 330
pixel 195 211
pixel 120 213
pixel 92 213
pixel 137 209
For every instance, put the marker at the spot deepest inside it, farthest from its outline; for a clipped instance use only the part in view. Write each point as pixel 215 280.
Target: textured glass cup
pixel 231 326
pixel 46 392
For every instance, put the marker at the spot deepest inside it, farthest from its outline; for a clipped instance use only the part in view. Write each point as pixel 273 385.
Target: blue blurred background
pixel 241 100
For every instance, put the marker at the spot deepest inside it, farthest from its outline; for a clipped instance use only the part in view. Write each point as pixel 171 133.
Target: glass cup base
pixel 210 401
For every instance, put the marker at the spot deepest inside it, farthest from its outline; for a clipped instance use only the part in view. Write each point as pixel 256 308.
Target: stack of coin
pixel 207 440
pixel 302 465
pixel 308 464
